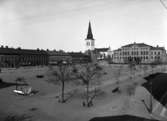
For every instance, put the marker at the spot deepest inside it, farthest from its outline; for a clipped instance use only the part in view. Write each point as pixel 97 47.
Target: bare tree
pixel 145 68
pixel 154 64
pixel 132 69
pixel 164 3
pixel 152 67
pixel 62 73
pixel 88 73
pixel 117 74
pixel 132 62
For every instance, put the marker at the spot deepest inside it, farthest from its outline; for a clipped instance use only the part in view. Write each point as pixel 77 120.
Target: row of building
pixel 140 52
pixel 13 58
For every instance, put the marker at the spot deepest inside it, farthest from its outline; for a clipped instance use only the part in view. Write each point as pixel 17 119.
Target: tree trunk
pixel 131 73
pixel 152 71
pixel 87 94
pixel 62 93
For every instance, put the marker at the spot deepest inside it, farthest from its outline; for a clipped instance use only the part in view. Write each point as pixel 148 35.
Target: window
pixel 88 43
pixel 92 43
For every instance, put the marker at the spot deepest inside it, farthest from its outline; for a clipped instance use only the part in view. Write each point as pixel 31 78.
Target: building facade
pixel 71 57
pixel 56 56
pixel 139 51
pixel 101 53
pixel 78 57
pixel 11 58
pixel 95 53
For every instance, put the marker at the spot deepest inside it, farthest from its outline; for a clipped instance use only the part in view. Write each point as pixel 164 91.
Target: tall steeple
pixel 90 42
pixel 89 34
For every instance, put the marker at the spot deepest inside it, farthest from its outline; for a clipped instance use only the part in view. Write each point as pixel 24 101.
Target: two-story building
pixel 141 51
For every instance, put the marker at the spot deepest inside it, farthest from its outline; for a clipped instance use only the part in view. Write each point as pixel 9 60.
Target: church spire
pixel 89 34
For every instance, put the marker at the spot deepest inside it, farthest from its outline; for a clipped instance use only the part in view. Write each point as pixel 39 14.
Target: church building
pixel 98 53
pixel 90 41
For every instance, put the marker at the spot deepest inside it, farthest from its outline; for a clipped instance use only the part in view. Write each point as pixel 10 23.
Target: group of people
pixel 88 104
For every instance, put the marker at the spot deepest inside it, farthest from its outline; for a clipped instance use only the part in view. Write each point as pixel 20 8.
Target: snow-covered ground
pixel 106 104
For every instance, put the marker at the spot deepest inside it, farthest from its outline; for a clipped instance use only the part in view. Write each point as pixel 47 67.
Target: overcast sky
pixel 63 24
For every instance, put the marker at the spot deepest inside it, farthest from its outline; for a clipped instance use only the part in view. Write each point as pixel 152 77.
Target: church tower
pixel 90 42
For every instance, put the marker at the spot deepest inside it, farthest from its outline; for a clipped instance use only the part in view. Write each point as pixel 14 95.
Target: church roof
pixel 89 34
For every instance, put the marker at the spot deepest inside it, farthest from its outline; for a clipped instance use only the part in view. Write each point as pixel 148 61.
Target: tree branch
pixel 162 2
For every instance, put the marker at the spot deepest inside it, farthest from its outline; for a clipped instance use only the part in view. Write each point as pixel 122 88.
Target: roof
pixel 157 48
pixel 125 117
pixel 57 53
pixel 144 45
pixel 89 34
pixel 77 54
pixel 117 50
pixel 13 51
pixel 102 49
pixel 157 82
pixel 138 44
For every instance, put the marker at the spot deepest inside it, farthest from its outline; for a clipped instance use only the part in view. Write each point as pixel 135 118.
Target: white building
pixel 97 53
pixel 102 53
pixel 144 52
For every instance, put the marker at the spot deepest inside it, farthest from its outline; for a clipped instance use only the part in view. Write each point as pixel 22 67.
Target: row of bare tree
pixel 86 73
